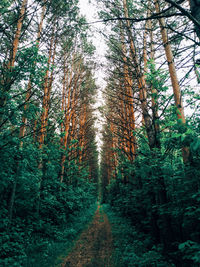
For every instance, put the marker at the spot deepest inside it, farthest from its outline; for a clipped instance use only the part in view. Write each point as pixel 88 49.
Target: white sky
pixel 90 11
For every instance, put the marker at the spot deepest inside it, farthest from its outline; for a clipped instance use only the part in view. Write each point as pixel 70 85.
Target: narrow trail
pixel 94 247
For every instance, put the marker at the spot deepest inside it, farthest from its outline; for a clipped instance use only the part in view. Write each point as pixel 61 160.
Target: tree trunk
pixel 28 94
pixel 128 83
pixel 174 78
pixel 45 97
pixel 17 35
pixel 68 114
pixel 82 131
pixel 5 85
pixel 3 100
pixel 141 84
pixel 154 93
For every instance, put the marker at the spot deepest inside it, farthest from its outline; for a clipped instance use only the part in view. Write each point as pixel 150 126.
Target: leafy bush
pixel 133 248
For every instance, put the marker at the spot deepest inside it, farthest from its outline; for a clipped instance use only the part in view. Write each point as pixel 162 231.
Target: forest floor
pixel 95 246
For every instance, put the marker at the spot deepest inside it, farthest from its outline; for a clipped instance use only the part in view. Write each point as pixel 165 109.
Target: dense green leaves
pixel 155 198
pixel 40 212
pixel 60 204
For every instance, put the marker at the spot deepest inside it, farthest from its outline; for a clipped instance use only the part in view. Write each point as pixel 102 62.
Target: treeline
pixel 48 151
pixel 150 163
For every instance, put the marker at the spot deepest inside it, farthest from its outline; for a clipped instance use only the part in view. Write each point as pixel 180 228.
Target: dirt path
pixel 94 247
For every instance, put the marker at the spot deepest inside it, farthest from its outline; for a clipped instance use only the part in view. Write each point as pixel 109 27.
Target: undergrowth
pixel 44 250
pixel 132 248
pixel 37 241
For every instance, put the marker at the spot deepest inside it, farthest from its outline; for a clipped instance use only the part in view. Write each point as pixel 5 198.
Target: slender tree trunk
pixel 17 34
pixel 3 100
pixel 28 94
pixel 82 131
pixel 5 85
pixel 154 93
pixel 128 82
pixel 65 70
pixel 114 146
pixel 174 78
pixel 123 142
pixel 68 114
pixel 66 98
pixel 154 90
pixel 45 97
pixel 44 115
pixel 50 82
pixel 141 84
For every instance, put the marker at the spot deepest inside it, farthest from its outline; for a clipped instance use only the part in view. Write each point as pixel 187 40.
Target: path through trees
pixel 94 246
pixel 148 169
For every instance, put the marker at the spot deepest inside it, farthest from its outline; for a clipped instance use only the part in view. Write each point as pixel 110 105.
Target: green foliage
pixel 191 251
pixel 157 199
pixel 159 196
pixel 40 214
pixel 35 238
pixel 30 238
pixel 133 248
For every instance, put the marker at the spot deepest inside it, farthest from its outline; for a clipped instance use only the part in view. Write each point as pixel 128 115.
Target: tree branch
pixel 184 12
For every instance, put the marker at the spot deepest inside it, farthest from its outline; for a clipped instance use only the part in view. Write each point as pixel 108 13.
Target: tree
pixel 47 179
pixel 145 189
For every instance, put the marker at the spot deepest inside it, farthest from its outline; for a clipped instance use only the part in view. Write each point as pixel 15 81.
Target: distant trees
pixel 134 52
pixel 150 67
pixel 47 140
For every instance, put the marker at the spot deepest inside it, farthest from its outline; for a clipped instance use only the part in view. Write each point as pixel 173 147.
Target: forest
pixel 109 185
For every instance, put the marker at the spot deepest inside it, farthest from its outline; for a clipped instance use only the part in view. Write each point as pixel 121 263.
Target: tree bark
pixel 141 84
pixel 128 83
pixel 174 78
pixel 6 84
pixel 45 96
pixel 17 34
pixel 69 113
pixel 28 94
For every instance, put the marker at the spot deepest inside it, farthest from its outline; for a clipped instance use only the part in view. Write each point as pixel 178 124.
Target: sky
pixel 90 11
